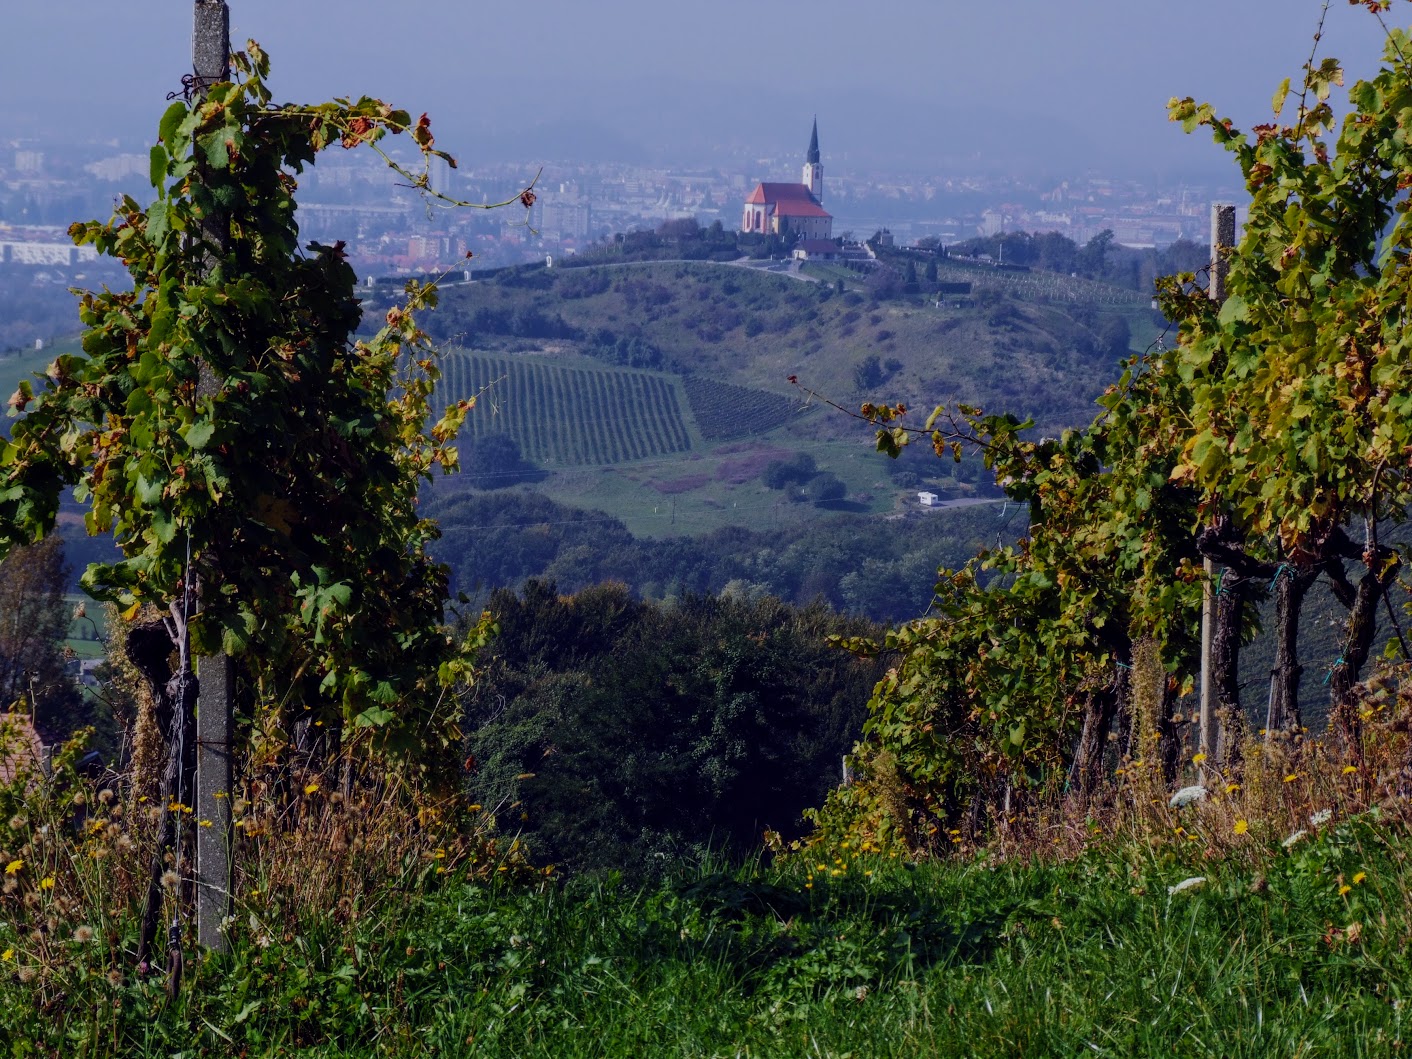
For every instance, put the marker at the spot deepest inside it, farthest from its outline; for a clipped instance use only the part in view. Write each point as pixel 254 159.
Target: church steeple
pixel 813 175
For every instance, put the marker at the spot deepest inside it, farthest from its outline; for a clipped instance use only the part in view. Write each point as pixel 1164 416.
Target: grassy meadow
pixel 1113 948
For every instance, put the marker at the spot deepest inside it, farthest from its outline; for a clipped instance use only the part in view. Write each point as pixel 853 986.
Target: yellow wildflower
pixel 14 867
pixel 1242 826
pixel 1349 768
pixel 1197 759
pixel 1291 778
pixel 312 788
pixel 1344 889
pixel 7 955
pixel 1359 876
pixel 47 883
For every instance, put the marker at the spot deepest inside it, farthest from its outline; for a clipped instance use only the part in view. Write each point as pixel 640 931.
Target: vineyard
pixel 725 412
pixel 566 415
pixel 1046 287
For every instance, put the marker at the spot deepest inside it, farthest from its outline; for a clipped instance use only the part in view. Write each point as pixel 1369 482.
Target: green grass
pixel 25 364
pixel 719 486
pixel 1089 957
pixel 87 636
pixel 1037 285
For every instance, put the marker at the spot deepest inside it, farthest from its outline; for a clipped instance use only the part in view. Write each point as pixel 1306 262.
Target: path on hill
pixel 788 268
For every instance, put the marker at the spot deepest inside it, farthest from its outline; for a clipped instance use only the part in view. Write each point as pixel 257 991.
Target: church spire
pixel 813 174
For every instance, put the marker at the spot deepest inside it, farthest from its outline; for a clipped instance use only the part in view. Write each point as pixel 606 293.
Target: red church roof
pixel 764 193
pixel 788 199
pixel 796 208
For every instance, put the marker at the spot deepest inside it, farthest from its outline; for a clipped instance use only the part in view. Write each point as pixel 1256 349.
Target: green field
pixel 87 635
pixel 25 365
pixel 721 487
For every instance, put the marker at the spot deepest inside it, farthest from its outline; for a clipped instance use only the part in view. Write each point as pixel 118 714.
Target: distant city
pixel 389 230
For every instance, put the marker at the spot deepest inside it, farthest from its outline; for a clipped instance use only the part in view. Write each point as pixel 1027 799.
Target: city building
pixel 778 208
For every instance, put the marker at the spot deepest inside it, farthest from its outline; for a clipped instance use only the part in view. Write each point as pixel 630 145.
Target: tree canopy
pixel 222 425
pixel 1272 437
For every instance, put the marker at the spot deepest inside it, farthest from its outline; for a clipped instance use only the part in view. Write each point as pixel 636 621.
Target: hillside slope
pixel 1011 346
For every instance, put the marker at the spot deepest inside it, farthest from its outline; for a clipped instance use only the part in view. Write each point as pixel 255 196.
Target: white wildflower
pixel 1322 817
pixel 1186 796
pixel 1187 884
pixel 1295 839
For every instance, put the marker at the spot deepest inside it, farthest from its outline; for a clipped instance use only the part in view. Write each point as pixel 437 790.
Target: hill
pixel 1015 344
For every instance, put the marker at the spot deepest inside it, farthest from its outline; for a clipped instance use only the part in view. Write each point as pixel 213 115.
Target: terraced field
pixel 566 415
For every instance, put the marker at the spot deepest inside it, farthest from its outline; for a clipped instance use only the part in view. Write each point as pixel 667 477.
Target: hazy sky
pixel 1032 84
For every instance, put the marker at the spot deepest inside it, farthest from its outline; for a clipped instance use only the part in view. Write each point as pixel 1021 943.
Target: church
pixel 780 208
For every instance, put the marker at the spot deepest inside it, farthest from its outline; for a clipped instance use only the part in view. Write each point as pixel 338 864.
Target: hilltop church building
pixel 779 208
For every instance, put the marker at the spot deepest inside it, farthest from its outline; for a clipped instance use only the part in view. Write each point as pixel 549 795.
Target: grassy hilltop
pixel 1019 342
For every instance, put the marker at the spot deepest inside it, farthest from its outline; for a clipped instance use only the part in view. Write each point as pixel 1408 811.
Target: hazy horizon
pixel 1026 87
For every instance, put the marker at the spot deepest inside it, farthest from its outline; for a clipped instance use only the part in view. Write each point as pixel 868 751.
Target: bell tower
pixel 813 175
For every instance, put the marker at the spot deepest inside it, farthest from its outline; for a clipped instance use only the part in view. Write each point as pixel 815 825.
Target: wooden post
pixel 1222 239
pixel 210 55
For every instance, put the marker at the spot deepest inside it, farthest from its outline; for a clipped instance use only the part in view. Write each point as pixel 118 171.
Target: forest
pixel 588 817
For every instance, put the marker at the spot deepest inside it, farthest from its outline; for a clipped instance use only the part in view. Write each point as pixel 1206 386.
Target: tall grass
pixel 1271 917
pixel 1288 951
